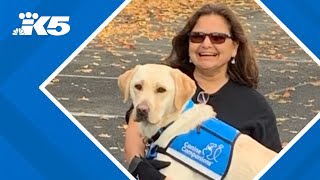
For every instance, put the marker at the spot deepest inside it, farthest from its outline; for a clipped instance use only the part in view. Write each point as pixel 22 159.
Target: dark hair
pixel 244 72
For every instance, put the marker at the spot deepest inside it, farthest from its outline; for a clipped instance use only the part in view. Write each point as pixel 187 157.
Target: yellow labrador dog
pixel 159 94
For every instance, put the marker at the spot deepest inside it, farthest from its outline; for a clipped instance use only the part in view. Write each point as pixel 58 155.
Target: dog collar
pixel 155 137
pixel 149 141
pixel 152 148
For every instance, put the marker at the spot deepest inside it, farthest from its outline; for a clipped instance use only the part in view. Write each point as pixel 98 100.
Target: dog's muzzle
pixel 142 112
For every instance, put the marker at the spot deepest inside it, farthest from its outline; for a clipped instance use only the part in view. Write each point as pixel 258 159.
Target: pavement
pixel 87 87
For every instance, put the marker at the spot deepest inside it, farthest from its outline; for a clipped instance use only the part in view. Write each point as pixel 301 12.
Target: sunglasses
pixel 215 38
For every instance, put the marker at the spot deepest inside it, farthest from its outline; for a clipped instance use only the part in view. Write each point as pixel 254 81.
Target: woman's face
pixel 212 56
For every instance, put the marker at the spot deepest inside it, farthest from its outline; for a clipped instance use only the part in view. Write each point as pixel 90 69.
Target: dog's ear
pixel 185 88
pixel 124 82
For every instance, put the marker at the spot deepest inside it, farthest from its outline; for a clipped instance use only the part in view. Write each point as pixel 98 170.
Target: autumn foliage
pixel 154 19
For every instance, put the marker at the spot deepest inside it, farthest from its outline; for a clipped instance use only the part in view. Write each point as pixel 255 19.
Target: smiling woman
pixel 209 56
pixel 214 51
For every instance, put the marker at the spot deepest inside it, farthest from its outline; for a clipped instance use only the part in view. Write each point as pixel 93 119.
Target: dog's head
pixel 156 91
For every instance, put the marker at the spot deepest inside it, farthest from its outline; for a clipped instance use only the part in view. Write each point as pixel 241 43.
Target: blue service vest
pixel 206 149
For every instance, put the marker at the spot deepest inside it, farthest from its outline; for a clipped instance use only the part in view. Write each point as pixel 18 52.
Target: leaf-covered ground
pixel 154 19
pixel 162 19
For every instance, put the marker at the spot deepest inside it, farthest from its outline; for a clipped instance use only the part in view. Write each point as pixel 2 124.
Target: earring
pixel 233 61
pixel 190 61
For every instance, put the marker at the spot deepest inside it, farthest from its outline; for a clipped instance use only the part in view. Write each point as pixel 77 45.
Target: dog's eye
pixel 138 86
pixel 161 90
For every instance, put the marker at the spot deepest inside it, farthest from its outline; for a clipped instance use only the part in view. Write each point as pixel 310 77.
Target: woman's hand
pixel 144 169
pixel 140 167
pixel 133 144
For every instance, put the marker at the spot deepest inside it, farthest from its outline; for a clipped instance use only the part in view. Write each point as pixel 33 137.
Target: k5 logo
pixel 57 25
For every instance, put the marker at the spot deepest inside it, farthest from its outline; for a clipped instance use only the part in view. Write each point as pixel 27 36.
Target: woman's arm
pixel 133 143
pixel 134 149
pixel 265 129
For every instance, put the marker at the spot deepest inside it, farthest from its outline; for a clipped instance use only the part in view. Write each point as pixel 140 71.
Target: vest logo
pixel 212 151
pixel 207 155
pixel 57 25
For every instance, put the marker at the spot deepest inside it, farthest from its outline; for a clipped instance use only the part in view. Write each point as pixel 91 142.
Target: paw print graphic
pixel 27 23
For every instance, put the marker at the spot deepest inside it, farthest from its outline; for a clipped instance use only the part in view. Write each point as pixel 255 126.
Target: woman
pixel 213 50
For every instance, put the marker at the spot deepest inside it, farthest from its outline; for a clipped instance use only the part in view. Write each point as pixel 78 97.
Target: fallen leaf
pixel 125 61
pixel 291 89
pixel 317 83
pixel 116 54
pixel 63 99
pixel 294 132
pixel 272 51
pixel 273 96
pixel 84 70
pixel 124 126
pixel 96 57
pixel 279 56
pixel 308 105
pixel 104 135
pixel 292 64
pixel 281 119
pixel 128 46
pixel 282 101
pixel 99 45
pixel 104 118
pixel 115 65
pixel 286 94
pixel 55 80
pixel 83 98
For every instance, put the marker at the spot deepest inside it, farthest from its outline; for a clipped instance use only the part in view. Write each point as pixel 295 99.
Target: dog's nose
pixel 142 109
pixel 142 112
